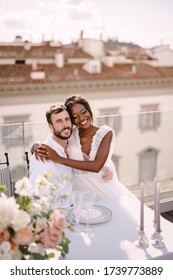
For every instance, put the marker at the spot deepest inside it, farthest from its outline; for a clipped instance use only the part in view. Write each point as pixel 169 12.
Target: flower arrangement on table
pixel 28 224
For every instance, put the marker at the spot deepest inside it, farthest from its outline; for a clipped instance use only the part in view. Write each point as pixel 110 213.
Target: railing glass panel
pixel 143 148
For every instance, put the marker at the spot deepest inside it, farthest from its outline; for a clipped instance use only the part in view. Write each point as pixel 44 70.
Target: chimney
pixel 34 65
pixel 59 60
pixel 134 70
pixel 18 39
pixel 76 73
pixel 27 45
pixel 37 74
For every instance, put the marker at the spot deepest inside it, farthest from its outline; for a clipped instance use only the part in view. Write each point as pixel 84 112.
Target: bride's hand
pixel 47 153
pixel 107 174
pixel 35 151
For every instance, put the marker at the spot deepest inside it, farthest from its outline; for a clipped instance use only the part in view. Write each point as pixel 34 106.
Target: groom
pixel 59 122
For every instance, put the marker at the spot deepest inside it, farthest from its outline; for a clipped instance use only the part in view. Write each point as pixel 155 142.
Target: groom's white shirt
pixel 58 170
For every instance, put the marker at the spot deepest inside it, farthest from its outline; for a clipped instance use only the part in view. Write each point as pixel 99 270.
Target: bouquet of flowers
pixel 29 226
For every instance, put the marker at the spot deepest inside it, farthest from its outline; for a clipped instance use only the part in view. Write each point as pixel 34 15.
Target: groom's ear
pixel 50 126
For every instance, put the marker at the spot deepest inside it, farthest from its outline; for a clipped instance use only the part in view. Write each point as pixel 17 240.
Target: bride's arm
pixel 93 166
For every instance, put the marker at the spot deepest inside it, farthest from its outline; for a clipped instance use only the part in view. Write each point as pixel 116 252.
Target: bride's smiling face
pixel 81 116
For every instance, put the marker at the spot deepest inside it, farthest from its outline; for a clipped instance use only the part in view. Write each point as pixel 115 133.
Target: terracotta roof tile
pixel 45 51
pixel 20 73
pixel 15 74
pixel 165 71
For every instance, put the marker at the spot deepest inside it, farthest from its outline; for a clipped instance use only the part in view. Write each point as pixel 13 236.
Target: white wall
pixel 164 56
pixel 93 47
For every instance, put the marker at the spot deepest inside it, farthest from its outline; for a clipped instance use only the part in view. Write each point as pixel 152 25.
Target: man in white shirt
pixel 59 122
pixel 61 128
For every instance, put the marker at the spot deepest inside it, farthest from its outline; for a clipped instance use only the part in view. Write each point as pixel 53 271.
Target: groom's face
pixel 61 125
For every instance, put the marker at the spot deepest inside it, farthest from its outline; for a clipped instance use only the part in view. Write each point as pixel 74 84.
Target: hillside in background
pixel 116 43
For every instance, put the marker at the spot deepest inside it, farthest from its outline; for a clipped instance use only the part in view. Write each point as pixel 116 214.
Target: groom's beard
pixel 60 135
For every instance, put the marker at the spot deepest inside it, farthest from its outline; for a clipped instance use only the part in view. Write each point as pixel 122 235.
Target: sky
pixel 147 23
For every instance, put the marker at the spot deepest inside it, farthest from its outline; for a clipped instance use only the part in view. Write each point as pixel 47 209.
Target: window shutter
pixel 118 124
pixel 157 118
pixel 140 121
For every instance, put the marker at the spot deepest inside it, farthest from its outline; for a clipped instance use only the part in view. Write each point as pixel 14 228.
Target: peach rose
pixel 14 246
pixel 55 234
pixel 23 236
pixel 57 220
pixel 4 235
pixel 50 237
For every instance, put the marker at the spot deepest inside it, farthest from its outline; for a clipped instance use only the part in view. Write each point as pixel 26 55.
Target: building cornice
pixel 120 88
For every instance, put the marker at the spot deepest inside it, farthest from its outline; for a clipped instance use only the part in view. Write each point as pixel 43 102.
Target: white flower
pixel 45 204
pixel 35 208
pixel 43 186
pixel 40 224
pixel 64 180
pixel 36 238
pixel 5 247
pixel 20 220
pixel 16 254
pixel 23 187
pixel 37 248
pixel 6 256
pixel 39 206
pixel 25 218
pixel 5 251
pixel 8 209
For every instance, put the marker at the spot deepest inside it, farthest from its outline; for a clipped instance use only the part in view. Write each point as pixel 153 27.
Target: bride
pixel 90 149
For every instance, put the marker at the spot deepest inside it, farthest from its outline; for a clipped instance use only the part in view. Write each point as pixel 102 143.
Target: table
pixel 114 239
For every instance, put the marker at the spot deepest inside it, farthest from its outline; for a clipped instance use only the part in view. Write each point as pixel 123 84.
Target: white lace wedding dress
pixel 91 181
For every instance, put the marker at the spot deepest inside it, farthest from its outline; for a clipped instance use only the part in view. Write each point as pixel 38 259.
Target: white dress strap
pixel 98 137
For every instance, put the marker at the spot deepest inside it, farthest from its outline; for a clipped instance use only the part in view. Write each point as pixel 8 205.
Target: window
pixel 20 61
pixel 147 164
pixel 110 117
pixel 14 132
pixel 149 119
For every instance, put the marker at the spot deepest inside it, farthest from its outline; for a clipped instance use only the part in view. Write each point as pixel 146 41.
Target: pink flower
pixel 23 236
pixel 4 235
pixel 50 237
pixel 57 220
pixel 55 234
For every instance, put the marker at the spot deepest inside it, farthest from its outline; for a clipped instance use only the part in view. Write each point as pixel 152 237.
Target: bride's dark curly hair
pixel 77 99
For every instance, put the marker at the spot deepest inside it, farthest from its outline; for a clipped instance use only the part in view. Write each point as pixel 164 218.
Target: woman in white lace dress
pixel 90 149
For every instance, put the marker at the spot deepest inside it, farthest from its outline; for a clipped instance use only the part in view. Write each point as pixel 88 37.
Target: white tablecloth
pixel 114 239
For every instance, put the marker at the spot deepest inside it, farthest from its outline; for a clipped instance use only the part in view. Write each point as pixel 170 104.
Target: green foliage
pixel 3 188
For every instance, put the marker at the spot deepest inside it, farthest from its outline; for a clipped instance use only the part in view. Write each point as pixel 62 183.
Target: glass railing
pixel 143 148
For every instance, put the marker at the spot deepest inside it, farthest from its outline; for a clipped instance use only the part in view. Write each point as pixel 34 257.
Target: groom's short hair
pixel 54 109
